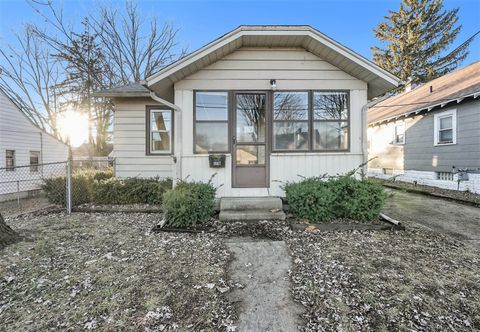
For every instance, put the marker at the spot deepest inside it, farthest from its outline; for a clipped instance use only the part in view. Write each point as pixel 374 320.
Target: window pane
pixel 290 106
pixel 446 123
pixel 330 106
pixel 330 135
pixel 10 160
pixel 160 120
pixel 211 137
pixel 250 155
pixel 160 142
pixel 34 158
pixel 250 118
pixel 290 135
pixel 211 106
pixel 446 136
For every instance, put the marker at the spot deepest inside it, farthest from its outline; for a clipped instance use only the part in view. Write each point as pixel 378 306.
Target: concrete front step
pixel 251 215
pixel 250 203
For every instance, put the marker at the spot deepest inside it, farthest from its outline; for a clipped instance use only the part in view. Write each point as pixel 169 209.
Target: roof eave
pixel 272 30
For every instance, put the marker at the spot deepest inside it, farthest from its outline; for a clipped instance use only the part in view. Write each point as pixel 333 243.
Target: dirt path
pixel 458 220
pixel 265 304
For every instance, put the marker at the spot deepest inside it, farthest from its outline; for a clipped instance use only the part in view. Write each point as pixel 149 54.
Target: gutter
pixel 177 158
pixel 364 139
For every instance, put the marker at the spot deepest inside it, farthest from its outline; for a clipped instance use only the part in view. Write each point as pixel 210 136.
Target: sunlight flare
pixel 74 127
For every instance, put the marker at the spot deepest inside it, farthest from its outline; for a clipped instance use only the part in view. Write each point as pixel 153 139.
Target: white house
pixel 276 101
pixel 22 143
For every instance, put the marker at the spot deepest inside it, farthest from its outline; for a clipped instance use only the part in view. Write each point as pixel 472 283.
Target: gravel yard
pixel 108 272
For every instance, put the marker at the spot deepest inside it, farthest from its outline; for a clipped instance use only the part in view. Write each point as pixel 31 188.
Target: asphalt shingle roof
pixel 452 87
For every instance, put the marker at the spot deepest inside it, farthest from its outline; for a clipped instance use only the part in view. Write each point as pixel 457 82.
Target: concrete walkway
pixel 458 220
pixel 265 304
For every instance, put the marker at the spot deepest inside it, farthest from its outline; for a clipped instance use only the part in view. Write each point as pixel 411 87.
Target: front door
pixel 250 148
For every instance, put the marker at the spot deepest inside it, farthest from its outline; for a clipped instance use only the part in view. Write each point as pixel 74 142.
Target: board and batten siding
pixel 252 69
pixel 18 133
pixel 129 142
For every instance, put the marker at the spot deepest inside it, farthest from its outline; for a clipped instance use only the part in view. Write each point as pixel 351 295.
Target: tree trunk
pixel 7 235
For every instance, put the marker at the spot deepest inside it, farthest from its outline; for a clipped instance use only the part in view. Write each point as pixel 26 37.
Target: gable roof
pixel 452 87
pixel 378 79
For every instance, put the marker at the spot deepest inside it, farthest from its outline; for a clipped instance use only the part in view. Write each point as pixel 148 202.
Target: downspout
pixel 178 133
pixel 364 139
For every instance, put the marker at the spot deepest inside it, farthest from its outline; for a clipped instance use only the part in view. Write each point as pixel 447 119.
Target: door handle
pixel 234 140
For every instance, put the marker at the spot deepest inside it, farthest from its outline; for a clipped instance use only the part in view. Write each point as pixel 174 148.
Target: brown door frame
pixel 267 144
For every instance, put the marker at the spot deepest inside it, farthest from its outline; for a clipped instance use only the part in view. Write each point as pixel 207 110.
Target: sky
pixel 350 22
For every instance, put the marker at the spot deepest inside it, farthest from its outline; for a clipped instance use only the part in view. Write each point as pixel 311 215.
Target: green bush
pixel 310 199
pixel 189 204
pixel 355 199
pixel 130 191
pixel 342 197
pixel 55 189
pixel 99 186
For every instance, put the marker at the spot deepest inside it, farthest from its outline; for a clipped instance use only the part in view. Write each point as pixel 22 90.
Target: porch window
pixel 34 161
pixel 10 160
pixel 330 121
pixel 160 131
pixel 445 127
pixel 211 122
pixel 290 121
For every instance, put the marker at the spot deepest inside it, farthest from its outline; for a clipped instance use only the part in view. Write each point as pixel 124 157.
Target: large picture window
pixel 290 121
pixel 160 135
pixel 310 121
pixel 211 122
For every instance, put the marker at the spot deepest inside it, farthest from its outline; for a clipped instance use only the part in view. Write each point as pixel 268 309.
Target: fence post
pixel 18 192
pixel 68 190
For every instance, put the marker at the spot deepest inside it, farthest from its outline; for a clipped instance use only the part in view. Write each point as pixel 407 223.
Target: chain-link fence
pixel 24 186
pixel 67 184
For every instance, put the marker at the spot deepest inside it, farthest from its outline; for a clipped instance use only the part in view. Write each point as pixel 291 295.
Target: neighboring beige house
pixel 276 101
pixel 431 134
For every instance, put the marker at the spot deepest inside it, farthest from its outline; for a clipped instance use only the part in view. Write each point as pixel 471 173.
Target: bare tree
pixel 116 47
pixel 29 75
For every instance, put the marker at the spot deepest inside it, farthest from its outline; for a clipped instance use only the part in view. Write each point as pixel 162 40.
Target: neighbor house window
pixel 211 122
pixel 445 127
pixel 290 121
pixel 34 160
pixel 399 133
pixel 160 131
pixel 330 121
pixel 10 160
pixel 445 176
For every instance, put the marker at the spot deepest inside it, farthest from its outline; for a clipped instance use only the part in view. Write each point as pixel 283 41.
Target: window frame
pixel 148 131
pixel 10 168
pixel 34 168
pixel 228 122
pixel 395 125
pixel 307 121
pixel 436 127
pixel 311 122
